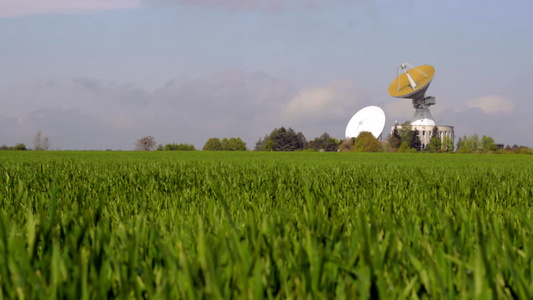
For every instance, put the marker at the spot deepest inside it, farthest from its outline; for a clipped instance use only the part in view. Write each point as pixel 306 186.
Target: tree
pixel 301 141
pixel 19 147
pixel 212 144
pixel 406 132
pixel 224 144
pixel 325 142
pixel 366 142
pixel 179 147
pixel 415 142
pixel 435 132
pixel 40 143
pixel 260 144
pixel 460 143
pixel 277 137
pixel 404 147
pixel 233 144
pixel 435 144
pixel 146 143
pixel 268 145
pixel 347 145
pixel 469 144
pixel 474 142
pixel 488 144
pixel 281 139
pixel 447 144
pixel 465 149
pixel 524 150
pixel 395 140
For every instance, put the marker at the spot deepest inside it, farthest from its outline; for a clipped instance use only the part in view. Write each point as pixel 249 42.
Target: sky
pixel 100 74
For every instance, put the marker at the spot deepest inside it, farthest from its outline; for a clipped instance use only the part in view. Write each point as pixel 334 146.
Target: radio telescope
pixel 412 84
pixel 370 118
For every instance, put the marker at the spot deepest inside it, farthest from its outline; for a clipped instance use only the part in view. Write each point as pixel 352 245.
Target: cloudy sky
pixel 99 74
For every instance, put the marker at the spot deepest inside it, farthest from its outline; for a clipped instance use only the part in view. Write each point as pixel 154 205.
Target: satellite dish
pixel 412 84
pixel 370 118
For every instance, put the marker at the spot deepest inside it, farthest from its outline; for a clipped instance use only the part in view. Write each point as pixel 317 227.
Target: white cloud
pixel 16 8
pixel 491 105
pixel 319 103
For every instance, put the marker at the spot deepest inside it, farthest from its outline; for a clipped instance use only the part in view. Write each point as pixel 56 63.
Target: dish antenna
pixel 412 84
pixel 370 118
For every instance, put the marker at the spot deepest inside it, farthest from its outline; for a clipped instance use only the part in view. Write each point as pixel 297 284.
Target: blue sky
pixel 97 74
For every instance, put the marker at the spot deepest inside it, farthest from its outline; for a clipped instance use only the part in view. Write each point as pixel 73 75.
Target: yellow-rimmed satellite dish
pixel 412 83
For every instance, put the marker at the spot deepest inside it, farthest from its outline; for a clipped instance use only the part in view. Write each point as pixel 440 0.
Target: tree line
pixel 148 143
pixel 282 139
pixel 402 139
pixel 40 143
pixel 231 144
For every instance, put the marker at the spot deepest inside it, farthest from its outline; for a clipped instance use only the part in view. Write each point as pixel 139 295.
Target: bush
pixel 179 147
pixel 19 147
pixel 404 147
pixel 523 150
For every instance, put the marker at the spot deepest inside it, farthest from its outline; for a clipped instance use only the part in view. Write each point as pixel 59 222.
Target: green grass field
pixel 249 225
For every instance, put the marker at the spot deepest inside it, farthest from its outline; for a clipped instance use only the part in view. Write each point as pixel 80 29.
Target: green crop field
pixel 192 225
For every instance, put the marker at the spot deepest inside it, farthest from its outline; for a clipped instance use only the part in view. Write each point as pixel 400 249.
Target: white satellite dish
pixel 370 118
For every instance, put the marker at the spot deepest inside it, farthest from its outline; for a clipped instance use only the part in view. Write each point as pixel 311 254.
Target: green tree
pixel 415 142
pixel 224 144
pixel 473 142
pixel 325 142
pixel 465 149
pixel 404 147
pixel 523 150
pixel 212 144
pixel 435 144
pixel 469 142
pixel 301 141
pixel 435 132
pixel 19 147
pixel 268 145
pixel 488 144
pixel 366 142
pixel 277 136
pixel 260 144
pixel 461 142
pixel 281 139
pixel 447 144
pixel 233 144
pixel 406 132
pixel 395 140
pixel 290 140
pixel 179 147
